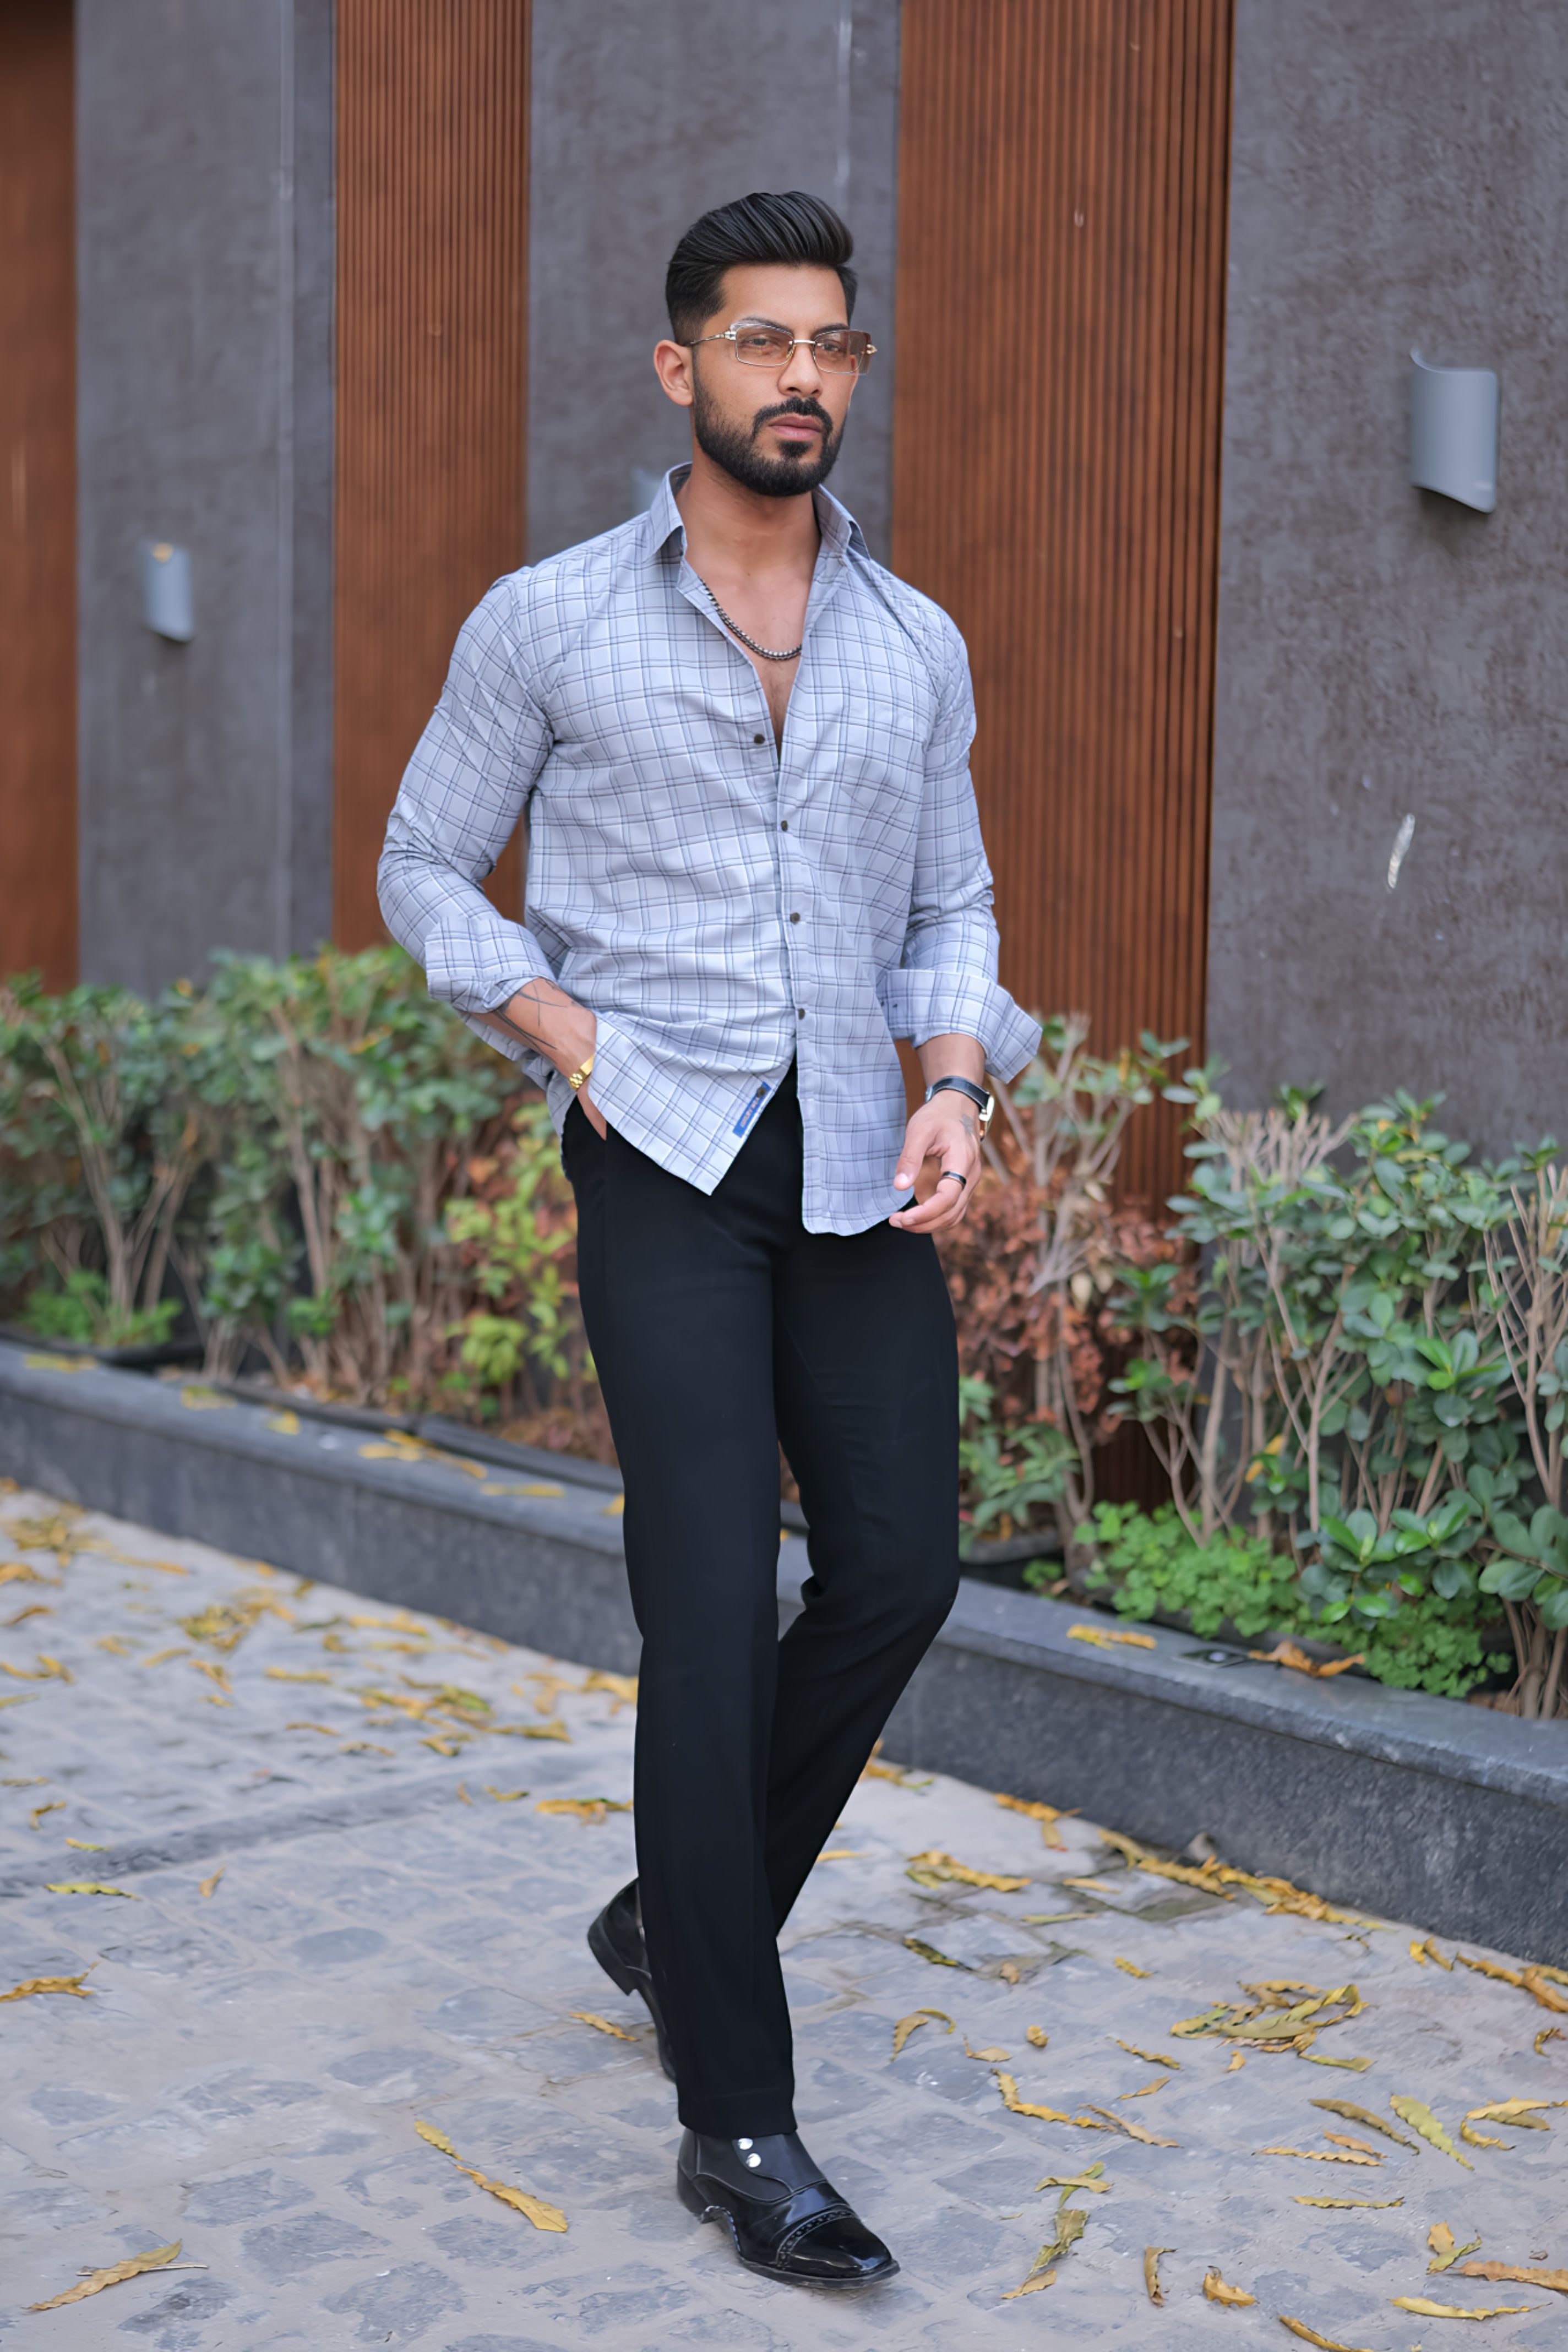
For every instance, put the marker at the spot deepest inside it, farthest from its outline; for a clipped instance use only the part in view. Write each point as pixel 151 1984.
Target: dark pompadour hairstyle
pixel 794 228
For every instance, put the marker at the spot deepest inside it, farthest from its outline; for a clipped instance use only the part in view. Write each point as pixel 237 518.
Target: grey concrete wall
pixel 205 246
pixel 1398 180
pixel 644 113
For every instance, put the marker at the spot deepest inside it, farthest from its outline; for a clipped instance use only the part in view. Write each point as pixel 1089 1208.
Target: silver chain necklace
pixel 766 653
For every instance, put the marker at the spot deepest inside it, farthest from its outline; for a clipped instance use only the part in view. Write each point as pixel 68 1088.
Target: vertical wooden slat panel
pixel 1062 281
pixel 37 492
pixel 432 278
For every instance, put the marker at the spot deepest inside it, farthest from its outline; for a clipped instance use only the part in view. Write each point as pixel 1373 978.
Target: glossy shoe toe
pixel 786 2222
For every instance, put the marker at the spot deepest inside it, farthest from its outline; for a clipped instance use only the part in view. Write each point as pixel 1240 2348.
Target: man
pixel 754 861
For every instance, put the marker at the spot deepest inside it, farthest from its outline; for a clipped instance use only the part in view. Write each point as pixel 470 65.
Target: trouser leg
pixel 676 1297
pixel 865 1385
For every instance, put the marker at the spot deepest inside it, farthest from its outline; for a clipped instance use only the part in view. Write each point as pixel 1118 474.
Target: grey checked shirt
pixel 723 905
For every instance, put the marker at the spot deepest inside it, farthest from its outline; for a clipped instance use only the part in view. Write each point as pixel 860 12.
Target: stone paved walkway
pixel 344 1914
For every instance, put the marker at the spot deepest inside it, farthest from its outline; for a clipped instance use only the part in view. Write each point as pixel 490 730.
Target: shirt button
pixel 800 1012
pixel 784 825
pixel 795 918
pixel 756 738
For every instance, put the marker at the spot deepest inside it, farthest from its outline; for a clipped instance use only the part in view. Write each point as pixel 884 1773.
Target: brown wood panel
pixel 432 110
pixel 1060 307
pixel 38 518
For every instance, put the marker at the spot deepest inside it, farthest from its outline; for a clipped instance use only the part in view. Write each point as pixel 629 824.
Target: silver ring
pixel 957 1179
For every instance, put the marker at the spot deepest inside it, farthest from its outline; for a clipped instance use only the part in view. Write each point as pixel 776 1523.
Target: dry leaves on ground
pixel 1512 2274
pixel 585 1809
pixel 88 1886
pixel 1320 2154
pixel 543 2216
pixel 1426 2309
pixel 933 1868
pixel 76 1985
pixel 1355 2115
pixel 1216 1877
pixel 1151 2272
pixel 1036 2036
pixel 1541 1983
pixel 1048 1816
pixel 134 2266
pixel 1092 2177
pixel 209 1885
pixel 1311 2335
pixel 1216 2290
pixel 1289 1654
pixel 1548 2034
pixel 1263 2024
pixel 1102 1638
pixel 1019 2106
pixel 1419 2117
pixel 1129 1968
pixel 1445 2248
pixel 928 1952
pixel 1150 2057
pixel 1350 2204
pixel 1125 2124
pixel 1070 2229
pixel 913 2023
pixel 601 2024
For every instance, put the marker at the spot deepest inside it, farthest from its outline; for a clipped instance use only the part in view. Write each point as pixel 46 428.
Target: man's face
pixel 775 429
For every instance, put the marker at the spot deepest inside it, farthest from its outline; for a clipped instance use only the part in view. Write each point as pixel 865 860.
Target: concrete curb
pixel 1453 1817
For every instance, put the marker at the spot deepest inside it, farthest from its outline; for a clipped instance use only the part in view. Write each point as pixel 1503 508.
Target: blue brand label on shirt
pixel 753 1107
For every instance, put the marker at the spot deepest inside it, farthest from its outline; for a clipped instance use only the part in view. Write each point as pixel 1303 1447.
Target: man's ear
pixel 672 364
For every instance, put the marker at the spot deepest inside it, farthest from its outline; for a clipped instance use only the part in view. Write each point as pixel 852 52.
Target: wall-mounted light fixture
pixel 1453 432
pixel 166 606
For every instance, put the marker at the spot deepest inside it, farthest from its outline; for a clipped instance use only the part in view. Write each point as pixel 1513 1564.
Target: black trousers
pixel 722 1328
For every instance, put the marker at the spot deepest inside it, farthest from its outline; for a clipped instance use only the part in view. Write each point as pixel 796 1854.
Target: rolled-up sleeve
pixel 945 982
pixel 459 804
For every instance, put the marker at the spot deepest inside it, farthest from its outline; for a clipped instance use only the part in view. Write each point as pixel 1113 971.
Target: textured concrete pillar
pixel 205 242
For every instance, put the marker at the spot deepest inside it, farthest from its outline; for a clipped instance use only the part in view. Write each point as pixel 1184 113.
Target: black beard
pixel 734 446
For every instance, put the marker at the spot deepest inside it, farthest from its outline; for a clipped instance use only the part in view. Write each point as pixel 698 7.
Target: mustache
pixel 799 405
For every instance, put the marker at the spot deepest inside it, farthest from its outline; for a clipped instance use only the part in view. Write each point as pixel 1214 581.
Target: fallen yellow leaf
pixel 463 1796
pixel 286 1424
pixel 1146 2090
pixel 1104 1639
pixel 1311 2335
pixel 1234 2298
pixel 1048 1816
pixel 87 1845
pixel 1538 1981
pixel 1548 2034
pixel 1443 2247
pixel 542 2215
pixel 504 1796
pixel 209 1885
pixel 843 1854
pixel 1510 2274
pixel 1420 2119
pixel 1355 2115
pixel 934 1867
pixel 135 2266
pixel 601 2024
pixel 88 1886
pixel 622 1688
pixel 1342 2139
pixel 1238 2060
pixel 17 1571
pixel 1289 1653
pixel 913 2023
pixel 928 1952
pixel 989 2054
pixel 1124 2124
pixel 1037 2036
pixel 76 1985
pixel 48 1670
pixel 1092 2177
pixel 304 1674
pixel 325 1727
pixel 1183 1872
pixel 554 1730
pixel 162 1657
pixel 1070 2224
pixel 1130 1967
pixel 56 1805
pixel 1094 1886
pixel 1350 2204
pixel 1150 2057
pixel 1015 2105
pixel 1151 2272
pixel 1320 2154
pixel 1428 2310
pixel 1517 2112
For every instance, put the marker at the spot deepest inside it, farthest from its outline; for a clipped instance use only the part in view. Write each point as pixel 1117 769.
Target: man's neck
pixel 735 533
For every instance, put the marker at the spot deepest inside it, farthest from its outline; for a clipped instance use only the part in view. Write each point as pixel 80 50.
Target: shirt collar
pixel 841 534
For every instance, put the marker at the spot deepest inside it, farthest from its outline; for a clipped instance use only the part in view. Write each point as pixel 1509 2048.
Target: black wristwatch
pixel 983 1103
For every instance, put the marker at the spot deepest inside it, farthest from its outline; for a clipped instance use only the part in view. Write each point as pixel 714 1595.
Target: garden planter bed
pixel 1450 1816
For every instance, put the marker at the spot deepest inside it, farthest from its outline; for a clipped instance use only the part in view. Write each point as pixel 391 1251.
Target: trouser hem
pixel 729 2115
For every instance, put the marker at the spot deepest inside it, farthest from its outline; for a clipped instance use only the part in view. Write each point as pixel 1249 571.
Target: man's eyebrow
pixel 755 318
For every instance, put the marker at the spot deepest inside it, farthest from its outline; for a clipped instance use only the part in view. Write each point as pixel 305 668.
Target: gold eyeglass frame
pixel 732 335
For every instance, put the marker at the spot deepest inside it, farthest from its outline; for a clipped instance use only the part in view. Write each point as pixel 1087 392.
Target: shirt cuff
pixel 476 961
pixel 921 1004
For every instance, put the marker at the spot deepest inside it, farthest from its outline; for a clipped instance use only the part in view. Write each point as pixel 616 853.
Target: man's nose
pixel 801 373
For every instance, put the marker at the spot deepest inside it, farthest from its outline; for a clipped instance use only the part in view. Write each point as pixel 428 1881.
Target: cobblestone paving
pixel 343 1914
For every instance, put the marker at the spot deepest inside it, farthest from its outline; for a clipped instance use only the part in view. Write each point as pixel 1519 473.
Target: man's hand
pixel 544 1016
pixel 941 1142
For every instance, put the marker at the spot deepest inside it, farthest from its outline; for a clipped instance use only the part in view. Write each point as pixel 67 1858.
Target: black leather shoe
pixel 787 2222
pixel 615 1940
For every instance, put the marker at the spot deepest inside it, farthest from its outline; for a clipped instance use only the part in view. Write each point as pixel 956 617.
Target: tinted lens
pixel 843 352
pixel 762 346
